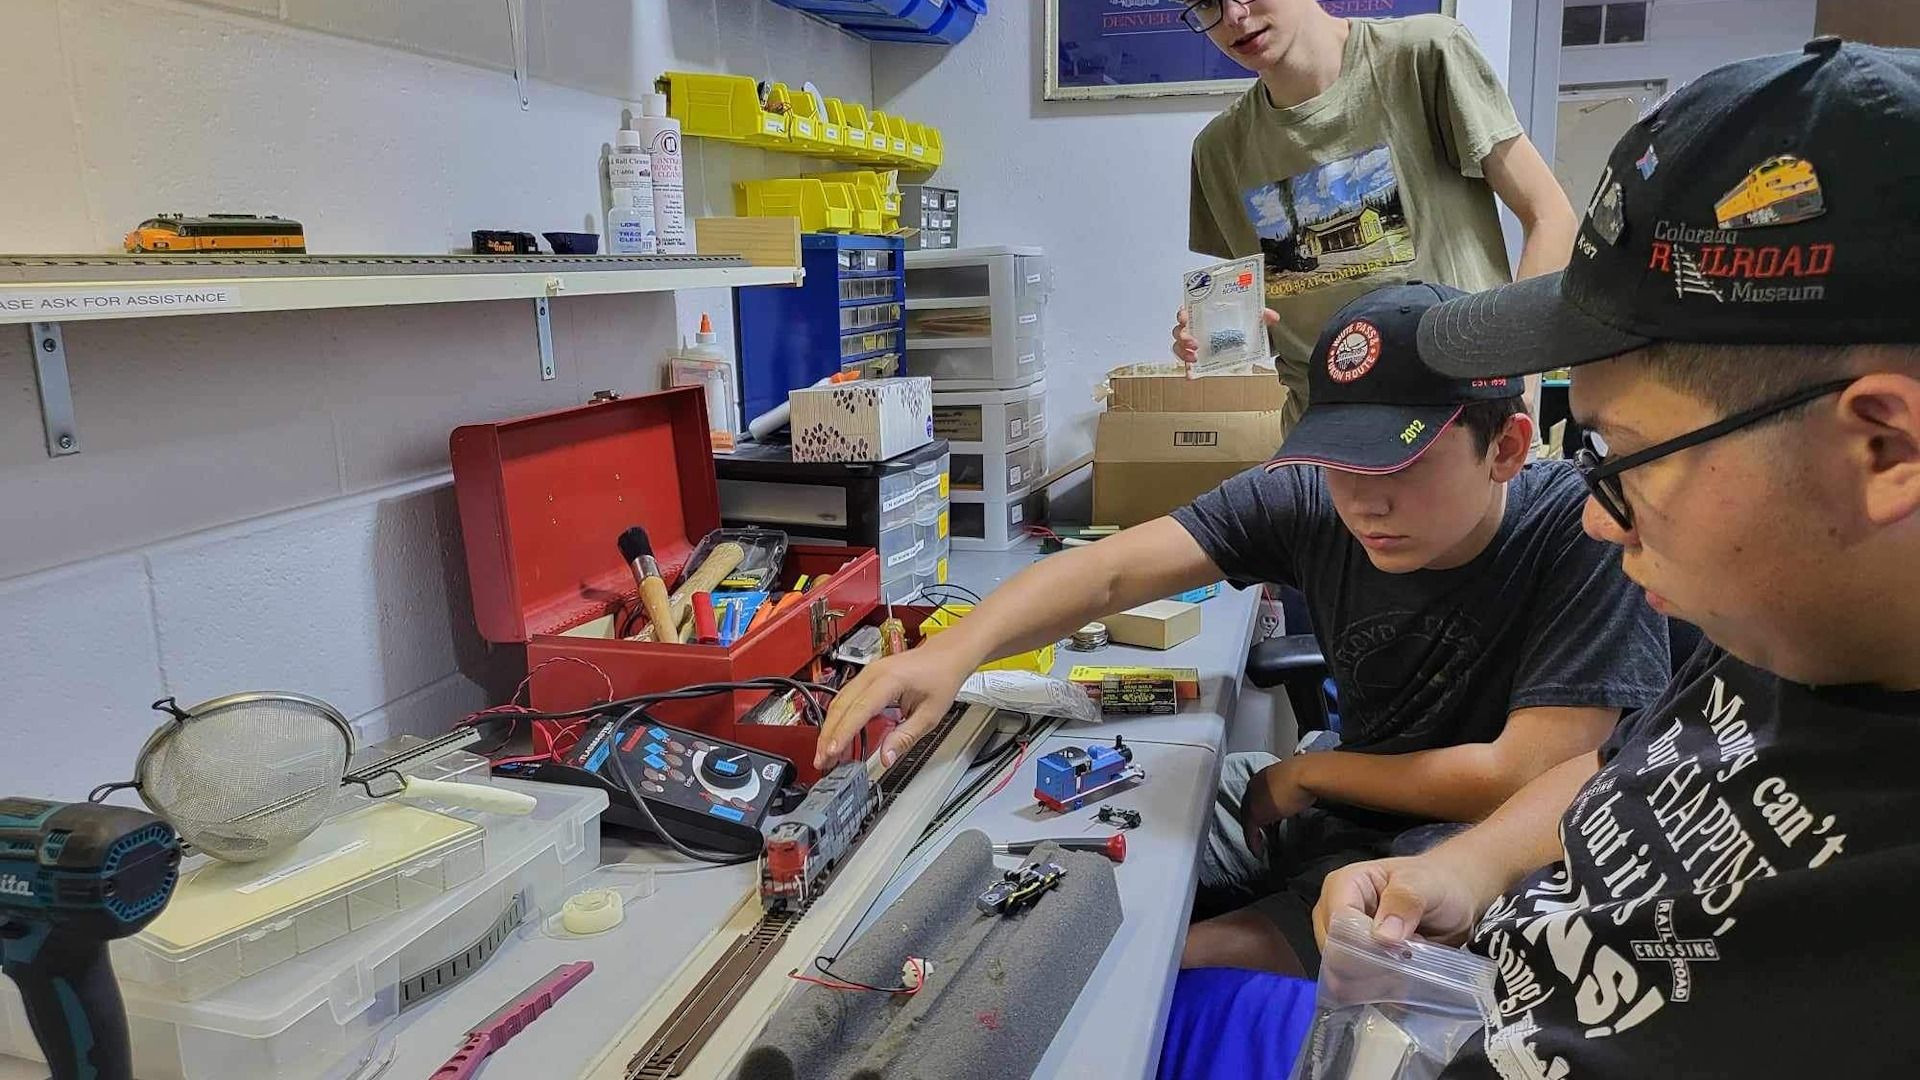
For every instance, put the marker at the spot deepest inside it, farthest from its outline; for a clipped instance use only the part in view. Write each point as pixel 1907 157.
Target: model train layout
pixel 805 847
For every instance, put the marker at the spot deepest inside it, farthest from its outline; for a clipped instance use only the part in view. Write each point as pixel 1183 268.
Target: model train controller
pixel 1069 779
pixel 707 792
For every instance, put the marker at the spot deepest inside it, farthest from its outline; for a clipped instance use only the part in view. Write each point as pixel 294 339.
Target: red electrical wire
pixel 512 707
pixel 1017 759
pixel 916 963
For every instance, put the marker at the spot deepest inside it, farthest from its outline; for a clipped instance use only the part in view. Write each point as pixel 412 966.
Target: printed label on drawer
pixel 776 126
pixel 932 483
pixel 833 132
pixel 1028 358
pixel 1033 279
pixel 857 135
pixel 919 151
pixel 1019 514
pixel 944 515
pixel 901 499
pixel 1014 475
pixel 803 125
pixel 899 146
pixel 1031 318
pixel 907 555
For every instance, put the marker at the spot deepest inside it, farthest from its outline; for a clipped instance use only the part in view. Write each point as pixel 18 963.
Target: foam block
pixel 999 989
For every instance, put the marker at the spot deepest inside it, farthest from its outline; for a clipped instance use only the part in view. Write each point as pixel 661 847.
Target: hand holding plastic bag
pixel 1392 1012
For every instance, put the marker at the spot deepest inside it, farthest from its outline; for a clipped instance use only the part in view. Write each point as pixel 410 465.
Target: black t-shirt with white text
pixel 1543 617
pixel 1736 897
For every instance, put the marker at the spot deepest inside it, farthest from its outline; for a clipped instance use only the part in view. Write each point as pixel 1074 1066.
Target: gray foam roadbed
pixel 999 989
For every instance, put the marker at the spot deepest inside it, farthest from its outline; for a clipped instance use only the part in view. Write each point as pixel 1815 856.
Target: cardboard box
pixel 1165 388
pixel 1185 680
pixel 1146 464
pixel 863 420
pixel 1161 624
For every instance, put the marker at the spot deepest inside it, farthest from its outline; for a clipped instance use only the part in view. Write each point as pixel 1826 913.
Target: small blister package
pixel 765 551
pixel 1224 306
pixel 1392 1012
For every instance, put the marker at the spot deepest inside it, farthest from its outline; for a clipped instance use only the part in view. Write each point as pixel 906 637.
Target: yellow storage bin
pixel 722 107
pixel 880 139
pixel 867 217
pixel 897 139
pixel 807 200
pixel 857 136
pixel 1040 660
pixel 836 124
pixel 917 144
pixel 807 124
pixel 883 183
pixel 936 147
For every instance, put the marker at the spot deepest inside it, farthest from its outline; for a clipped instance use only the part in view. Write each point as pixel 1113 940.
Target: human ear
pixel 1511 448
pixel 1879 418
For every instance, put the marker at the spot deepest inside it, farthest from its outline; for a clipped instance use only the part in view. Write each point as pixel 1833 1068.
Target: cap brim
pixel 1517 329
pixel 1372 439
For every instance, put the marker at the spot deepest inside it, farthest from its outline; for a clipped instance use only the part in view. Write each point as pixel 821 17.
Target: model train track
pixel 77 269
pixel 673 1045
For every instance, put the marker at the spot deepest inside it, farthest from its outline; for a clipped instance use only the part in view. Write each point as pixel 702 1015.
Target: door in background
pixel 1592 119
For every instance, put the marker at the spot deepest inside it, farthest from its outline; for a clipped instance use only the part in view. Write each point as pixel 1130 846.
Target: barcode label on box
pixel 1196 438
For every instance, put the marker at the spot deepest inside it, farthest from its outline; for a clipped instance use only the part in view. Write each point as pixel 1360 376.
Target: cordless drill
pixel 74 876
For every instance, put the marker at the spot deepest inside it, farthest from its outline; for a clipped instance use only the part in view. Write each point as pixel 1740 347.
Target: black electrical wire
pixel 824 965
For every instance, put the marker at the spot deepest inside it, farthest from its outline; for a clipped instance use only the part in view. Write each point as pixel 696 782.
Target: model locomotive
pixel 805 847
pixel 215 234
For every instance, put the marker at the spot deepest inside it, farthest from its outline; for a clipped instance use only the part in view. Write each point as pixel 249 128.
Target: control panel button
pixel 653 787
pixel 727 812
pixel 652 774
pixel 654 749
pixel 676 761
pixel 657 734
pixel 654 761
pixel 727 769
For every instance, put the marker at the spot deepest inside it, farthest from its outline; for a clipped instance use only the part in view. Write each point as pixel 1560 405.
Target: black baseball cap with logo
pixel 1373 406
pixel 1771 201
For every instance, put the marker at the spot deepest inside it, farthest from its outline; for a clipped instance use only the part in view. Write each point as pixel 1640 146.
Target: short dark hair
pixel 1735 377
pixel 1484 420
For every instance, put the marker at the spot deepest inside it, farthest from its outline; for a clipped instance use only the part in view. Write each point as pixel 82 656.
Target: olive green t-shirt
pixel 1374 182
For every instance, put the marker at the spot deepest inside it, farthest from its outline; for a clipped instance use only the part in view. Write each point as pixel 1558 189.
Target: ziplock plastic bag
pixel 1392 1012
pixel 1029 692
pixel 1223 305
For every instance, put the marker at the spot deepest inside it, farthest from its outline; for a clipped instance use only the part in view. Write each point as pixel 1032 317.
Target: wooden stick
pixel 724 559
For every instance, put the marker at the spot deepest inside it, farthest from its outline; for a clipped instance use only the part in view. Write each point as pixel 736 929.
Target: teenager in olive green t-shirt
pixel 1368 153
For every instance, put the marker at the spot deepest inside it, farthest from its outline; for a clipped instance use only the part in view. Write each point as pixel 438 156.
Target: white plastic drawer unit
pixel 983 523
pixel 974 316
pixel 998 419
pixel 1013 472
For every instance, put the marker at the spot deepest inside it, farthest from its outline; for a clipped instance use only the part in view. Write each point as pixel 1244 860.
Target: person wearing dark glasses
pixel 1368 152
pixel 1721 890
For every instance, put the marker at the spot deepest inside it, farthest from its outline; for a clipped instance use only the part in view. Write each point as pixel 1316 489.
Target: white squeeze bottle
pixel 630 229
pixel 660 134
pixel 630 181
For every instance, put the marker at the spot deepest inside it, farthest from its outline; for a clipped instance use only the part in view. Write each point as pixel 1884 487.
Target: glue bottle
pixel 705 364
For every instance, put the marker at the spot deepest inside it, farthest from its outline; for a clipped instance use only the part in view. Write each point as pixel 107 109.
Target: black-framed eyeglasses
pixel 1603 474
pixel 1203 15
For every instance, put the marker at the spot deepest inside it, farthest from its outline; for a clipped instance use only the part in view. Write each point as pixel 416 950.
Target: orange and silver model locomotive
pixel 217 234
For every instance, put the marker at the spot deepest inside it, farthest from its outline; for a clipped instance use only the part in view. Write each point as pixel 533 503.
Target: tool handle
pixel 73 1005
pixel 706 629
pixel 487 797
pixel 1113 847
pixel 724 559
pixel 653 597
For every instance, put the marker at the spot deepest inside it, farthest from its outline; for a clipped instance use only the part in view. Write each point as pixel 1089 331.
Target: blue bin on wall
pixel 911 22
pixel 912 15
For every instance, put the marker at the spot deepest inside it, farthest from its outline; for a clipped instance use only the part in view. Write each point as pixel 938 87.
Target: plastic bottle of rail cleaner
pixel 660 134
pixel 630 181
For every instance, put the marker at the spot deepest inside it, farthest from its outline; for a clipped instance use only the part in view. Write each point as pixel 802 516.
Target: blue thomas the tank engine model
pixel 1068 779
pixel 810 842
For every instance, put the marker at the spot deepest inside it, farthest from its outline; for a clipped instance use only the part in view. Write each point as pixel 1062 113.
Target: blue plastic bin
pixel 955 24
pixel 917 16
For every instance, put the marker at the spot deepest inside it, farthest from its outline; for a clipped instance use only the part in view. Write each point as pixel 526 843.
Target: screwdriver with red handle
pixel 1113 847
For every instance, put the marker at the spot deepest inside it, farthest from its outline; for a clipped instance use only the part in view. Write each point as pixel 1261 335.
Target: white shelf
pixel 97 292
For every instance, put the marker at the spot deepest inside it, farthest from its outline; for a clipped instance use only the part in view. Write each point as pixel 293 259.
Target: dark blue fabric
pixel 1233 1024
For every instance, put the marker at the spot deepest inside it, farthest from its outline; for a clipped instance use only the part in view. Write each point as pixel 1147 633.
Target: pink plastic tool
pixel 499 1029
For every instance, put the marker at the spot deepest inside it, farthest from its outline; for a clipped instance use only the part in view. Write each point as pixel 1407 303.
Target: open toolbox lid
pixel 544 498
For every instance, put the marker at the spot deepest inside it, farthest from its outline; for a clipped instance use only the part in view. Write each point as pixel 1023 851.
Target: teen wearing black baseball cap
pixel 1723 889
pixel 1476 635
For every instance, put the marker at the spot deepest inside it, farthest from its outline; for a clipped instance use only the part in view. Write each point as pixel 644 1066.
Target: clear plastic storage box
pixel 320 1015
pixel 974 316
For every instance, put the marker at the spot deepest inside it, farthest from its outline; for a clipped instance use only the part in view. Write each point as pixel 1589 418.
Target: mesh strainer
pixel 243 776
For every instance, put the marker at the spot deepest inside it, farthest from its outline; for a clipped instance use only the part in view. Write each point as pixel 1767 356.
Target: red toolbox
pixel 543 500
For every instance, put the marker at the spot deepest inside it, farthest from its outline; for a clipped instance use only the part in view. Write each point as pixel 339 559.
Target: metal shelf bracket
pixel 56 393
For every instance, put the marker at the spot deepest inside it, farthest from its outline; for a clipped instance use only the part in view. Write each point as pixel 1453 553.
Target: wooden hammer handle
pixel 724 559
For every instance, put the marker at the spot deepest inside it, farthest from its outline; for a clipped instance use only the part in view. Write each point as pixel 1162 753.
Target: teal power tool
pixel 74 876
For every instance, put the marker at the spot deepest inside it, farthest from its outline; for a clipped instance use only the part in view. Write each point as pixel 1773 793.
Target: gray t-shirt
pixel 1543 617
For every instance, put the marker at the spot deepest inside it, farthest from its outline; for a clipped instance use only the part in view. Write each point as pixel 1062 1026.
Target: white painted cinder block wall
pixel 1102 186
pixel 1686 38
pixel 262 501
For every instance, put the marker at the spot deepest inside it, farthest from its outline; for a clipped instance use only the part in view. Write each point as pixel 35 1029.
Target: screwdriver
pixel 1113 847
pixel 893 634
